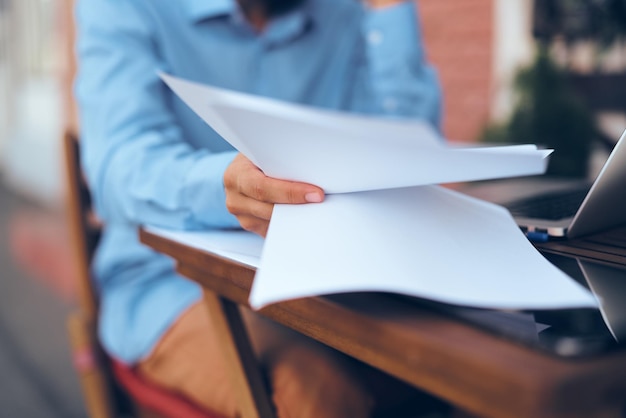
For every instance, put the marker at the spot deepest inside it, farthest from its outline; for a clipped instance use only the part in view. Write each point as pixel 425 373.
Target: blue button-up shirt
pixel 150 160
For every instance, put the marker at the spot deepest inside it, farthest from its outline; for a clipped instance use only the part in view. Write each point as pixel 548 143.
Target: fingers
pixel 266 189
pixel 251 195
pixel 253 215
pixel 247 179
pixel 256 225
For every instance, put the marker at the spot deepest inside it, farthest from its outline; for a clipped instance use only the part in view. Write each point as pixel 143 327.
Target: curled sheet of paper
pixel 383 226
pixel 426 241
pixel 343 152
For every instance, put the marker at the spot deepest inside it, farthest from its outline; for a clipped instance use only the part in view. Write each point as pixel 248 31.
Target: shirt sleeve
pixel 396 78
pixel 140 169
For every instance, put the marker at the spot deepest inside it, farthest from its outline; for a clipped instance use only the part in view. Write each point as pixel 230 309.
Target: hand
pixel 251 195
pixel 379 4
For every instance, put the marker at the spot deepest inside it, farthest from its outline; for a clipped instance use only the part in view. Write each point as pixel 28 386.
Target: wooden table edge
pixel 543 383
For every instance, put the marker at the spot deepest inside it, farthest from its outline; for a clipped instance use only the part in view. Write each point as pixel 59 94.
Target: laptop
pixel 575 211
pixel 580 211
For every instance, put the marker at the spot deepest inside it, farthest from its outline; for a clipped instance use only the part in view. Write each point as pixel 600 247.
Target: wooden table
pixel 475 370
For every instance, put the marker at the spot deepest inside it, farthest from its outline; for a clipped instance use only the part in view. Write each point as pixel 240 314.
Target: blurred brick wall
pixel 459 42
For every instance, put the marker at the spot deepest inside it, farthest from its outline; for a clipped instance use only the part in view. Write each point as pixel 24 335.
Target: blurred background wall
pixel 551 72
pixel 36 270
pixel 477 46
pixel 31 106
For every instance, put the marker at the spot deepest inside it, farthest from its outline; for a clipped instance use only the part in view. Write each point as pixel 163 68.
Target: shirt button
pixel 375 37
pixel 390 104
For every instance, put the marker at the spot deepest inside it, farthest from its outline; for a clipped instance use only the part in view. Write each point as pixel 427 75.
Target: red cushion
pixel 154 397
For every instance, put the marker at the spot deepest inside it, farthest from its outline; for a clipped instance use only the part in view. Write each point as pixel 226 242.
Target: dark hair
pixel 279 7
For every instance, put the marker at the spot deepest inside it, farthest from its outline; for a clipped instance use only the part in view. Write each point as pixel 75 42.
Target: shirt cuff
pixel 204 191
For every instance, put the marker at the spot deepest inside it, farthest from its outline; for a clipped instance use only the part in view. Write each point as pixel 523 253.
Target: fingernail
pixel 313 197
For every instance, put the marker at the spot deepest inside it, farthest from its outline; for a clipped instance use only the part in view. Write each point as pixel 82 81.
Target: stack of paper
pixel 384 226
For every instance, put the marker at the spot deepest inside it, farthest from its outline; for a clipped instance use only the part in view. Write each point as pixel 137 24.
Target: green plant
pixel 549 113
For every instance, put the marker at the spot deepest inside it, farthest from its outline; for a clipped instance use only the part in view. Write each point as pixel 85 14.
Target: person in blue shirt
pixel 150 160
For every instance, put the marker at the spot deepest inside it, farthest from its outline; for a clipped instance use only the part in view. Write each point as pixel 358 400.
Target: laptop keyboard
pixel 551 206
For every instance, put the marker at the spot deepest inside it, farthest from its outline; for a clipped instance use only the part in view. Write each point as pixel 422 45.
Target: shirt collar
pixel 280 29
pixel 198 10
pixel 289 26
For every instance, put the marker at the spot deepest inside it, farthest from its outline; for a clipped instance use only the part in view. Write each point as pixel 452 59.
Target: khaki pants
pixel 307 380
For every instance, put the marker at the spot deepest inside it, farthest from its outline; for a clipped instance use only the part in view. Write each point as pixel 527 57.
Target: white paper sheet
pixel 424 241
pixel 241 246
pixel 342 152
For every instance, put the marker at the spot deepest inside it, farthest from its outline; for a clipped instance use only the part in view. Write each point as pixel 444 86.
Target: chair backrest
pixel 106 383
pixel 84 227
pixel 103 397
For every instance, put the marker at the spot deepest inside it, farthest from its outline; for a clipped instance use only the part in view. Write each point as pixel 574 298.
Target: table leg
pixel 250 387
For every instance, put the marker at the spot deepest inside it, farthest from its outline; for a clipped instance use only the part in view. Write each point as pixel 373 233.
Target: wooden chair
pixel 110 388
